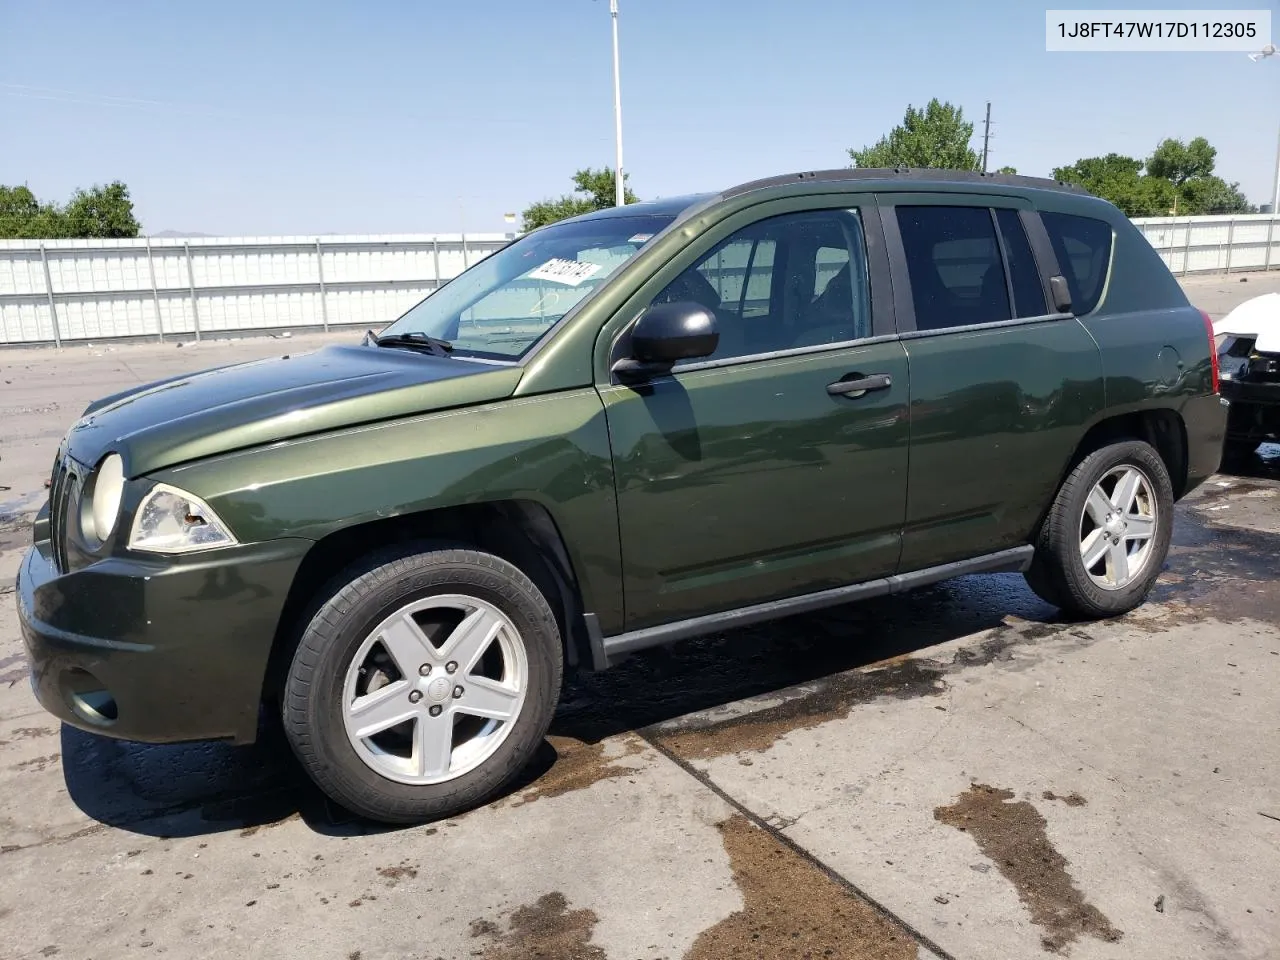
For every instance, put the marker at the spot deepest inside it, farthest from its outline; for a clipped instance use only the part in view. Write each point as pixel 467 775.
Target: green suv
pixel 639 425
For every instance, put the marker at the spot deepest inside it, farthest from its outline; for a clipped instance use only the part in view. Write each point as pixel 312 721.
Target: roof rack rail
pixel 924 174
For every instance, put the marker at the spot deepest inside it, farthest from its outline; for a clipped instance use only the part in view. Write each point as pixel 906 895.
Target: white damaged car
pixel 1248 341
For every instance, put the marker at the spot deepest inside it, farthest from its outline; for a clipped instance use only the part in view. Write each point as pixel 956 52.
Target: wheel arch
pixel 1161 427
pixel 522 532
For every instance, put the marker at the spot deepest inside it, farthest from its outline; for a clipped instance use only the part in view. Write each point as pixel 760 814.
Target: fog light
pixel 88 698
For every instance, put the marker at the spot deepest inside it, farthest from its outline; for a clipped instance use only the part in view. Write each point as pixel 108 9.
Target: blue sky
pixel 281 117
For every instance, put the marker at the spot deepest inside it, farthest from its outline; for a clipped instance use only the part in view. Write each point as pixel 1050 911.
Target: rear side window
pixel 954 264
pixel 1083 248
pixel 1024 276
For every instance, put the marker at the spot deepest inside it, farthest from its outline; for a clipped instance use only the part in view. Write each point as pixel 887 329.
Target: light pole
pixel 619 192
pixel 1270 51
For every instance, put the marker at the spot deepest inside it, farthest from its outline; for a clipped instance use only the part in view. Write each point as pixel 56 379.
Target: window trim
pixel 614 333
pixel 1041 250
pixel 903 295
pixel 979 327
pixel 1025 218
pixel 1003 252
pixel 781 354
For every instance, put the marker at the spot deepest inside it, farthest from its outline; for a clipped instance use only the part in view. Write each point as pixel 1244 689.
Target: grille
pixel 62 490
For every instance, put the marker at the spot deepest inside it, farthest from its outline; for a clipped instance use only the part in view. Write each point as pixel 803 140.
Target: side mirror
pixel 667 333
pixel 1061 294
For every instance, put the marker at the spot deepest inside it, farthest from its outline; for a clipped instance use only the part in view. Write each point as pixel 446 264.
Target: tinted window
pixel 1028 294
pixel 792 281
pixel 1083 248
pixel 953 262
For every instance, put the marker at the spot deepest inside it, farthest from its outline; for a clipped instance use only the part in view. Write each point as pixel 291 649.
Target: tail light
pixel 1213 348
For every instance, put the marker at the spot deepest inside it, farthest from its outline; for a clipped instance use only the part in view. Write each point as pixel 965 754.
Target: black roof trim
pixel 920 174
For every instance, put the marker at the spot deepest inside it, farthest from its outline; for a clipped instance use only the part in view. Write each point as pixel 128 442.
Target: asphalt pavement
pixel 951 773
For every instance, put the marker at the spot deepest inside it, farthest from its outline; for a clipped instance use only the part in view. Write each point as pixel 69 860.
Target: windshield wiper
pixel 411 341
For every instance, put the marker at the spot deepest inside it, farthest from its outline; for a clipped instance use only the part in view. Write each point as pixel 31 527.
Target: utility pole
pixel 986 137
pixel 1270 51
pixel 619 190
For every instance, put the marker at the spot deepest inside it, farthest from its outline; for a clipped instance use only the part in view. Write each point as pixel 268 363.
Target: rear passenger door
pixel 1002 388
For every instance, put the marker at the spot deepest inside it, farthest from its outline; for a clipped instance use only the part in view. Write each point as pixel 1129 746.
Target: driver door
pixel 741 477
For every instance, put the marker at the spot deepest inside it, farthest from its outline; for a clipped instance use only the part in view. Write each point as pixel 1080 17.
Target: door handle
pixel 860 384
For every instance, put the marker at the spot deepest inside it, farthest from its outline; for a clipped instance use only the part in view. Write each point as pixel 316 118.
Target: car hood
pixel 230 408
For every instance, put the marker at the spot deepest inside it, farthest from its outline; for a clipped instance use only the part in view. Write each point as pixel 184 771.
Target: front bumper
pixel 156 650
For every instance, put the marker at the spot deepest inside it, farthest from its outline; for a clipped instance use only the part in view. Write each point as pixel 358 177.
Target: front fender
pixel 552 450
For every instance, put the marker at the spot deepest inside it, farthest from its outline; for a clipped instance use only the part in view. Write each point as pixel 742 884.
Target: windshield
pixel 504 304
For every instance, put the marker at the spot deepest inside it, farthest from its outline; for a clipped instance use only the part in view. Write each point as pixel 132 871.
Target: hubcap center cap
pixel 439 690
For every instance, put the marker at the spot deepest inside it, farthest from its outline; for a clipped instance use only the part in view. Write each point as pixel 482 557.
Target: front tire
pixel 424 683
pixel 1105 539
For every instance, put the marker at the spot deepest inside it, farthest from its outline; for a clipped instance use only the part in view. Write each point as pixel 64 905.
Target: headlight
pixel 100 503
pixel 170 520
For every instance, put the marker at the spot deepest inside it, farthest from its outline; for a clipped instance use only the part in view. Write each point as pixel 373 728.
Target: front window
pixel 504 304
pixel 790 281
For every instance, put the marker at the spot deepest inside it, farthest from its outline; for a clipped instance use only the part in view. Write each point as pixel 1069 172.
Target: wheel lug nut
pixel 451 666
pixel 415 696
pixel 424 670
pixel 435 711
pixel 457 692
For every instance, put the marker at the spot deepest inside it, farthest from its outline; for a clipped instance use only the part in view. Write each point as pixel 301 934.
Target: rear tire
pixel 1105 539
pixel 424 683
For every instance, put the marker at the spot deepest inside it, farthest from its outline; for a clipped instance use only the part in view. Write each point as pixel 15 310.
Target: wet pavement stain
pixel 755 732
pixel 403 871
pixel 1225 573
pixel 545 929
pixel 36 764
pixel 1013 837
pixel 577 766
pixel 792 909
pixel 28 733
pixel 1072 799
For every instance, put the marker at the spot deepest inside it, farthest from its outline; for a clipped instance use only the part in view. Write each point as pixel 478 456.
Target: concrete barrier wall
pixel 67 290
pixel 1207 244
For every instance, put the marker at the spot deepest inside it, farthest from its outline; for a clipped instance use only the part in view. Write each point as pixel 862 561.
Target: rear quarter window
pixel 1083 248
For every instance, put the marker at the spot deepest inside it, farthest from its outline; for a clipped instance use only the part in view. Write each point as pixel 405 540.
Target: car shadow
pixel 195 789
pixel 671 682
pixel 1263 464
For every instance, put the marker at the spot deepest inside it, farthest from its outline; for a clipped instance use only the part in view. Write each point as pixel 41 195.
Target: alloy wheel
pixel 435 689
pixel 1118 527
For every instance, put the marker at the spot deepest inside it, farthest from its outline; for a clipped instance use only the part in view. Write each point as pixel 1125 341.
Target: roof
pixel 675 206
pixel 665 206
pixel 916 174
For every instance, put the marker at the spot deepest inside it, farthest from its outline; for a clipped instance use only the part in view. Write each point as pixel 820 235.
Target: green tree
pixel 22 215
pixel 593 190
pixel 1189 167
pixel 100 212
pixel 936 136
pixel 1179 162
pixel 1120 180
pixel 1212 195
pixel 1009 170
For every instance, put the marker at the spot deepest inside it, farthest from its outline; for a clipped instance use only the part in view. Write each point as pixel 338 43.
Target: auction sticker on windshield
pixel 570 272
